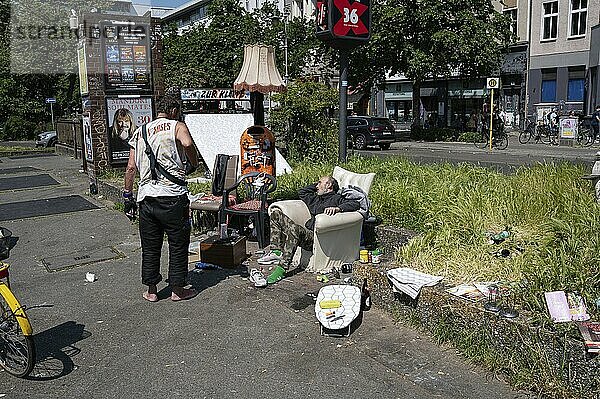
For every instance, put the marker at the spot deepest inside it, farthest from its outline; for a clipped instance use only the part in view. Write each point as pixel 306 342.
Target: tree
pixel 38 59
pixel 303 122
pixel 211 54
pixel 428 39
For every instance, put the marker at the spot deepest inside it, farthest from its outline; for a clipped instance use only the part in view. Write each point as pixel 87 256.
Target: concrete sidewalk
pixel 102 340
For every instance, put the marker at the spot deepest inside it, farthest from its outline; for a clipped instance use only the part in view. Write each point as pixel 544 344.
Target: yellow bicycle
pixel 17 349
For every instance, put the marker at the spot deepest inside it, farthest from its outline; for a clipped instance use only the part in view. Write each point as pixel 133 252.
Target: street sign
pixel 50 100
pixel 344 24
pixel 493 83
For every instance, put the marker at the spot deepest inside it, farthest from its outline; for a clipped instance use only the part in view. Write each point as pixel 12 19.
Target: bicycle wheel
pixel 524 137
pixel 553 136
pixel 481 140
pixel 587 137
pixel 17 350
pixel 544 134
pixel 501 142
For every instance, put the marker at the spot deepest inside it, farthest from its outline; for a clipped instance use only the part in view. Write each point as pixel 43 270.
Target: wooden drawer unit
pixel 227 253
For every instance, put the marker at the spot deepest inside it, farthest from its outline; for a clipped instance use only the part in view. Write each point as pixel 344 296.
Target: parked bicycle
pixel 585 133
pixel 17 349
pixel 539 133
pixel 499 139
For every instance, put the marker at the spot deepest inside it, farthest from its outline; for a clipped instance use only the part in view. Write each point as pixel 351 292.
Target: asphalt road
pixel 506 161
pixel 102 340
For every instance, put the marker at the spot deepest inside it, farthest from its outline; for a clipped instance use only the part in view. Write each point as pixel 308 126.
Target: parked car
pixel 364 131
pixel 46 139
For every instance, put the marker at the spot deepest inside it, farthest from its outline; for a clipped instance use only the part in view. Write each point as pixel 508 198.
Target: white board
pixel 220 134
pixel 349 309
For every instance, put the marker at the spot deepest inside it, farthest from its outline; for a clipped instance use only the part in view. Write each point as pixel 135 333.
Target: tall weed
pixel 550 211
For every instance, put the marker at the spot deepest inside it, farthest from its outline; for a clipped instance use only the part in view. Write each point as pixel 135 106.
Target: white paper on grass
pixel 558 306
pixel 220 134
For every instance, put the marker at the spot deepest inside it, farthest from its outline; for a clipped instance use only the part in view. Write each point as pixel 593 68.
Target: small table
pixel 229 252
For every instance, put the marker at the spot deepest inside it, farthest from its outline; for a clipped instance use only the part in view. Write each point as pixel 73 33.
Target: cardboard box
pixel 194 252
pixel 228 253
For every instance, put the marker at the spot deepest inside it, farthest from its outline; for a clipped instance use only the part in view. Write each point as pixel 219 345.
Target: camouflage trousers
pixel 287 236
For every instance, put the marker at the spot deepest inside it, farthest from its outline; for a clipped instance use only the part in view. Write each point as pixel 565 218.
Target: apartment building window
pixel 548 85
pixel 550 20
pixel 512 14
pixel 578 17
pixel 576 87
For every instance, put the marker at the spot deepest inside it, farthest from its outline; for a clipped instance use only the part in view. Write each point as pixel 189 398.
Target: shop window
pixel 550 20
pixel 578 18
pixel 576 87
pixel 549 85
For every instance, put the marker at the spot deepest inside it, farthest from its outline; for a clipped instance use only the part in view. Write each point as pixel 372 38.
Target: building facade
pixel 553 64
pixel 593 92
pixel 194 12
pixel 559 55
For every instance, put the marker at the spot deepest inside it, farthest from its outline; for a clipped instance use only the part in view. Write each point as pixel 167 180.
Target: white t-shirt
pixel 161 137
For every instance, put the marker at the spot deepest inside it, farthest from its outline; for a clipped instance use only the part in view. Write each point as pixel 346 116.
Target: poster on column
pixel 126 57
pixel 125 115
pixel 87 138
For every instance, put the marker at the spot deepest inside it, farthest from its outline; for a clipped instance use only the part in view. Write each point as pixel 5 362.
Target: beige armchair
pixel 336 238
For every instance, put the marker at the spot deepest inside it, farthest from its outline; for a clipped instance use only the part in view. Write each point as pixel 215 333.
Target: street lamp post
pixel 286 14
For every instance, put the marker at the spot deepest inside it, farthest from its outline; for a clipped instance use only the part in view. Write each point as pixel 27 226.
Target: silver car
pixel 46 139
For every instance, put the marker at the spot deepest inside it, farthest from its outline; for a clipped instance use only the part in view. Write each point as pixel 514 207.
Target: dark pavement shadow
pixel 201 279
pixel 55 348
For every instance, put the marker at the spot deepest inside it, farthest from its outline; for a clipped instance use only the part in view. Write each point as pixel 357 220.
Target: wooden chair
pixel 252 191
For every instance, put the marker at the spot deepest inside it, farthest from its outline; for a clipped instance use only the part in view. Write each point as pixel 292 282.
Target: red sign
pixel 343 24
pixel 350 22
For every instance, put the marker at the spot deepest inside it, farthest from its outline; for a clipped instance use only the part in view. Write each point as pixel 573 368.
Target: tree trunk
pixel 73 79
pixel 363 103
pixel 416 104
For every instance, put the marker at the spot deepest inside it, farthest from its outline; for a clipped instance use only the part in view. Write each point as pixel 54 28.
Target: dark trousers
pixel 158 216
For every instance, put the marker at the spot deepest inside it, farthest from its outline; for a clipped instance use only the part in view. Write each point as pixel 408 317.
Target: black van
pixel 366 131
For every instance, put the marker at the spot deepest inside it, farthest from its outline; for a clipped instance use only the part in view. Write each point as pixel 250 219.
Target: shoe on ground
pixel 271 258
pixel 257 278
pixel 277 274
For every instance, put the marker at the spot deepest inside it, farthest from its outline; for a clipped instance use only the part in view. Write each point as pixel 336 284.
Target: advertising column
pixel 127 82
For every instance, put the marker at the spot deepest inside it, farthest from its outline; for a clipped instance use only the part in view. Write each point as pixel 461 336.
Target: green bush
pixel 302 125
pixel 468 137
pixel 433 134
pixel 18 128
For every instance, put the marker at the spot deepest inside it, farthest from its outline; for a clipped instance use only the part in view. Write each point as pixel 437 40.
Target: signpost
pixel 51 101
pixel 492 83
pixel 343 25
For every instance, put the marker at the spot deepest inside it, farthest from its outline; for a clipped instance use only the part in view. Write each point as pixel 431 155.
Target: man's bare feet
pixel 151 295
pixel 181 294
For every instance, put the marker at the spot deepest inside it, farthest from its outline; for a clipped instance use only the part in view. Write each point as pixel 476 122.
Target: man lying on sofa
pixel 286 236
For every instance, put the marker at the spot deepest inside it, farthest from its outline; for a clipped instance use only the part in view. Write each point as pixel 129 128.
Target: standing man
pixel 162 196
pixel 596 122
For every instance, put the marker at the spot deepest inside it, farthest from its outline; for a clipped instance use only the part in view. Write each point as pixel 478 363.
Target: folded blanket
pixel 411 281
pixel 357 194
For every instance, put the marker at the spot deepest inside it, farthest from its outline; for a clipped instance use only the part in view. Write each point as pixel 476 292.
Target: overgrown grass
pixel 550 211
